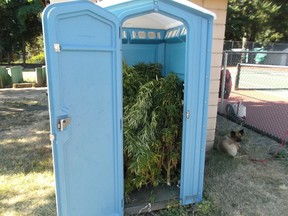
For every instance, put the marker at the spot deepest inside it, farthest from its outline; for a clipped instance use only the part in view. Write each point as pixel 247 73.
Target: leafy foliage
pixel 175 210
pixel 35 51
pixel 259 20
pixel 152 125
pixel 20 23
pixel 203 208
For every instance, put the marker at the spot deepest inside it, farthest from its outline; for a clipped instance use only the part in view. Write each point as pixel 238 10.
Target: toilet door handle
pixel 63 123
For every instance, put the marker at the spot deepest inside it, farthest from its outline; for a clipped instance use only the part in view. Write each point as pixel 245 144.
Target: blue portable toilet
pixel 84 45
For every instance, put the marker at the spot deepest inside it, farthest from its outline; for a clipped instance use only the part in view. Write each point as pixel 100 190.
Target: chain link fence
pixel 254 91
pixel 250 45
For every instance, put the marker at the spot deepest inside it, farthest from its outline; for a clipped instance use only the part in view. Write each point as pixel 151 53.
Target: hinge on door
pixel 52 137
pixel 57 47
pixel 63 123
pixel 187 114
pixel 156 6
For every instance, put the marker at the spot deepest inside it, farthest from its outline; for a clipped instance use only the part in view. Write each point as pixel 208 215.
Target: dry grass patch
pixel 27 194
pixel 232 186
pixel 241 186
pixel 26 173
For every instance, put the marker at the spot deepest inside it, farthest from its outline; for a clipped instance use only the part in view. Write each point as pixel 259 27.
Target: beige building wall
pixel 219 7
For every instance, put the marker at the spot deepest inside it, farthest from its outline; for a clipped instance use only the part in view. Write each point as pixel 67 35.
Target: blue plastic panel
pixel 146 36
pixel 198 34
pixel 82 47
pixel 175 35
pixel 148 53
pixel 175 59
pixel 197 80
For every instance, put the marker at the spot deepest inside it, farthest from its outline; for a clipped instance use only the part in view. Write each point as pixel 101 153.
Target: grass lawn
pixel 232 186
pixel 26 174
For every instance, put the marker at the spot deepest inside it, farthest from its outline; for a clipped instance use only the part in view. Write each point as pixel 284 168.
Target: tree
pixel 279 25
pixel 260 20
pixel 20 23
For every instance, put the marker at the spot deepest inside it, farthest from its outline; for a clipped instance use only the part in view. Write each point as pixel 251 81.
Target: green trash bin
pixel 5 79
pixel 39 76
pixel 44 75
pixel 260 57
pixel 16 74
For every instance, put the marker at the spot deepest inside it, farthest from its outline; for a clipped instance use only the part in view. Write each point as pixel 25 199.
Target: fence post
pixel 237 77
pixel 223 81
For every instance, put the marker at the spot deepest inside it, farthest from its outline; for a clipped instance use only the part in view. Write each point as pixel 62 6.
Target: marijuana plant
pixel 152 125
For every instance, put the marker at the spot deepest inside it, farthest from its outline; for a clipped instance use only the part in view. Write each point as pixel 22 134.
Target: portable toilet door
pixel 84 81
pixel 198 23
pixel 83 59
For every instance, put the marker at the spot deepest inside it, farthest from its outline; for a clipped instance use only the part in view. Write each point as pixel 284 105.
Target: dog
pixel 231 144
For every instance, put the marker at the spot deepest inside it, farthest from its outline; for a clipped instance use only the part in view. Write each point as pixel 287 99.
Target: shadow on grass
pixel 21 115
pixel 48 208
pixel 25 145
pixel 25 158
pixel 45 206
pixel 26 168
pixel 219 164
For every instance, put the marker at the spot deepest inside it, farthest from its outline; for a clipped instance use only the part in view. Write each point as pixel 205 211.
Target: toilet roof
pixel 152 20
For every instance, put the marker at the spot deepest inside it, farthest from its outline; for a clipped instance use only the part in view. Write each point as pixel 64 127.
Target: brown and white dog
pixel 231 144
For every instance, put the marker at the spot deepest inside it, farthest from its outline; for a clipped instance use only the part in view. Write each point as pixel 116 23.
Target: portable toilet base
pixel 84 46
pixel 142 202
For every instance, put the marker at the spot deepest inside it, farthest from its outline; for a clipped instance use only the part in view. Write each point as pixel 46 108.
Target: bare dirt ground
pixel 235 186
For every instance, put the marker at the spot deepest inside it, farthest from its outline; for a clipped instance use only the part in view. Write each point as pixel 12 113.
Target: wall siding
pixel 215 4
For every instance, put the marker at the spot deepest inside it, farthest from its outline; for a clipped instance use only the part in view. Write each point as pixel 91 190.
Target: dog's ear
pixel 233 134
pixel 241 132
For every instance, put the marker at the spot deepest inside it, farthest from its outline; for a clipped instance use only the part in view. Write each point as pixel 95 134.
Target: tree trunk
pixel 168 174
pixel 23 52
pixel 244 48
pixel 8 57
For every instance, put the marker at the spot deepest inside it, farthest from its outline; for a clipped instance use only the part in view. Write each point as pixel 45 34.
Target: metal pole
pixel 223 81
pixel 236 87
